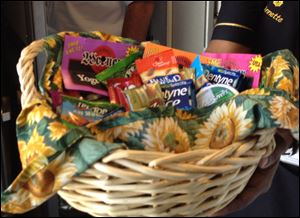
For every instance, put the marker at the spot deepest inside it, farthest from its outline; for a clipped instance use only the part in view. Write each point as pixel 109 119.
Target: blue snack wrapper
pixel 217 75
pixel 200 79
pixel 165 79
pixel 197 66
pixel 180 94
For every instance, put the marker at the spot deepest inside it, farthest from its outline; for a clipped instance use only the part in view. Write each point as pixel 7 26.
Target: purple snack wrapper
pixel 83 58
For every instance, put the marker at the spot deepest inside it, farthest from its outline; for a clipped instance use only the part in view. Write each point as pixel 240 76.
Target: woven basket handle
pixel 26 74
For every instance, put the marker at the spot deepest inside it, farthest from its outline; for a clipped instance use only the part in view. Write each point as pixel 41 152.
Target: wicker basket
pixel 143 183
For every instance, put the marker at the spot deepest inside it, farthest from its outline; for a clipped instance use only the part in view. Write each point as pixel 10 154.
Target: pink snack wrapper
pixel 247 64
pixel 83 58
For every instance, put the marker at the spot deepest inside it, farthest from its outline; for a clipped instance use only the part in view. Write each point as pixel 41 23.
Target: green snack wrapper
pixel 81 112
pixel 119 69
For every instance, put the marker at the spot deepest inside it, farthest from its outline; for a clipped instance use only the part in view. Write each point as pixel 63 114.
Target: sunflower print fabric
pixel 52 152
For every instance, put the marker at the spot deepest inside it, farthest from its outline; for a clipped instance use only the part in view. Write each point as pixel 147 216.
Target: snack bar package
pixel 184 74
pixel 116 86
pixel 149 95
pixel 124 68
pixel 187 73
pixel 81 112
pixel 179 94
pixel 248 64
pixel 218 75
pixel 160 64
pixel 84 57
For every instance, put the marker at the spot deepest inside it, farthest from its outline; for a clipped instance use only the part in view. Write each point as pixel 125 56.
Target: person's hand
pixel 262 178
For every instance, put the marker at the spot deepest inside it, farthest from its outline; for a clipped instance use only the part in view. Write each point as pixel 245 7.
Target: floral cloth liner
pixel 52 153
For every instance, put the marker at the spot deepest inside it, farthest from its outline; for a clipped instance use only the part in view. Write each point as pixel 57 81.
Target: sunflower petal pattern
pixel 285 113
pixel 57 130
pixel 296 82
pixel 52 152
pixel 226 125
pixel 35 147
pixel 165 135
pixel 280 70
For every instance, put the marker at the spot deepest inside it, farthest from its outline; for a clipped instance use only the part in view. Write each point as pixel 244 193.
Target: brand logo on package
pixel 100 59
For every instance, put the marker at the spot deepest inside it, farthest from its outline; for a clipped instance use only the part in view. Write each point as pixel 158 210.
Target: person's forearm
pixel 137 20
pixel 223 46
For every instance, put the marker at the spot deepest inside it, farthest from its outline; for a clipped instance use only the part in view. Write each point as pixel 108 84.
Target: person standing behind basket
pixel 129 19
pixel 262 27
